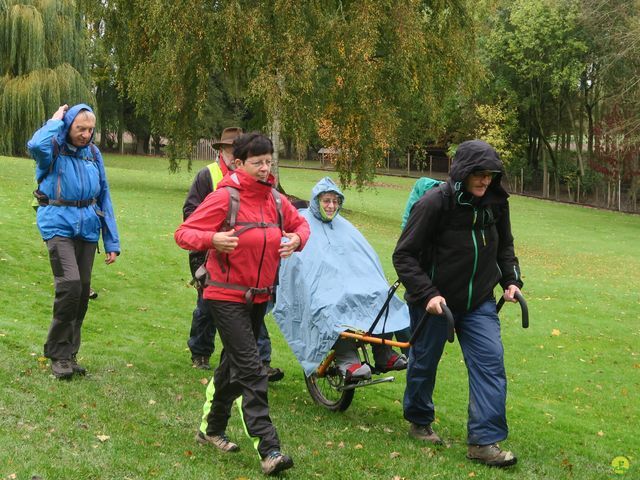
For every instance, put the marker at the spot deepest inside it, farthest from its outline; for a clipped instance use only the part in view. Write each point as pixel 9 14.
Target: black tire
pixel 324 390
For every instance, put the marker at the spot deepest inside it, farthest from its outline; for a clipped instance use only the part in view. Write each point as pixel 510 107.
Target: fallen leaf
pixel 394 454
pixel 12 476
pixel 129 365
pixel 188 453
pixel 358 446
pixel 555 332
pixel 329 444
pixel 103 438
pixel 472 474
pixel 204 381
pixel 601 433
pixel 387 430
pixel 341 445
pixel 363 428
pixel 152 402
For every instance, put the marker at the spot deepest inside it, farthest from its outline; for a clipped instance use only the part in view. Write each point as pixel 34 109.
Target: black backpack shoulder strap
pixel 234 206
pixel 278 199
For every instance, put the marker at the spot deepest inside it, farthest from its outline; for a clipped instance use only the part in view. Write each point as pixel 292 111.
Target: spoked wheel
pixel 326 390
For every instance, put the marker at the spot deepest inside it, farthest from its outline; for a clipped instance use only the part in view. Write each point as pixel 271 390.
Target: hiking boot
pixel 93 294
pixel 424 433
pixel 395 362
pixel 201 362
pixel 274 374
pixel 275 462
pixel 221 442
pixel 76 367
pixel 356 372
pixel 61 369
pixel 491 455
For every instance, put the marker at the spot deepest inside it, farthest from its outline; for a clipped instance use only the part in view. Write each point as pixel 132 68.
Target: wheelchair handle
pixel 523 307
pixel 450 324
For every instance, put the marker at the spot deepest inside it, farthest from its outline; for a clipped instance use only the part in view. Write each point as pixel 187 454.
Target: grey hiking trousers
pixel 71 263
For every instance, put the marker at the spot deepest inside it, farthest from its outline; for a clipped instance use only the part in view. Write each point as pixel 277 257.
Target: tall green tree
pixel 364 76
pixel 43 64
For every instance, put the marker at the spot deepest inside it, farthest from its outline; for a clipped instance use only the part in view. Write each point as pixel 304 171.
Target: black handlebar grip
pixel 451 323
pixel 525 310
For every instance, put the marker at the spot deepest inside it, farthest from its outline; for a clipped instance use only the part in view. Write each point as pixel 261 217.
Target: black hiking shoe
pixel 201 362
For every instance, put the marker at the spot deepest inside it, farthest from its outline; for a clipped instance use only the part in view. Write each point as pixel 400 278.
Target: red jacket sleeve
pixel 196 232
pixel 293 222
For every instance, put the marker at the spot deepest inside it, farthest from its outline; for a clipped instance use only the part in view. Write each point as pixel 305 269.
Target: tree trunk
pixel 545 176
pixel 275 138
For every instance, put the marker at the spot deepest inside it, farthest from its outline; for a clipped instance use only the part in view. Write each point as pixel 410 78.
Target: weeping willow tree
pixel 42 65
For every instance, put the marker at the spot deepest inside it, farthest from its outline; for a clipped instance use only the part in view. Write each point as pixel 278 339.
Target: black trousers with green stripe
pixel 240 374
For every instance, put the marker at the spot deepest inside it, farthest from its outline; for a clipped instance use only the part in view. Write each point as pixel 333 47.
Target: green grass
pixel 573 376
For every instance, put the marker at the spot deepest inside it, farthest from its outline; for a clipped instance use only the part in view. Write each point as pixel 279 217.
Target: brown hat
pixel 228 136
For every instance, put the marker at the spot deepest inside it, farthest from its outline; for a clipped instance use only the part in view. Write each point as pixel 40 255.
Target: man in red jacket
pixel 241 271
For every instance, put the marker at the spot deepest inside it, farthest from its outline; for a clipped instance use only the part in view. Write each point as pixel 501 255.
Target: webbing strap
pixel 73 203
pixel 384 310
pixel 250 292
pixel 249 225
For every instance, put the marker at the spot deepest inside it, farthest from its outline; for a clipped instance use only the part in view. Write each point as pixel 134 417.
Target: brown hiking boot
pixel 424 433
pixel 491 455
pixel 201 362
pixel 76 367
pixel 61 369
pixel 221 442
pixel 275 462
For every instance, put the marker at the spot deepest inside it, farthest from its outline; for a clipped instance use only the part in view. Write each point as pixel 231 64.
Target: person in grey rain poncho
pixel 335 284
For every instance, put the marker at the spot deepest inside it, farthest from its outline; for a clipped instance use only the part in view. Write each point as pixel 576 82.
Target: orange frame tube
pixel 368 339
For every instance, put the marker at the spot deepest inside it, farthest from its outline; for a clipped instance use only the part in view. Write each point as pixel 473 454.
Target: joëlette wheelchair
pixel 327 384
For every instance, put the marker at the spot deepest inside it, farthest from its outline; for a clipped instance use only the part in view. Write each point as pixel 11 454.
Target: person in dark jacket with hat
pixel 201 340
pixel 456 247
pixel 75 208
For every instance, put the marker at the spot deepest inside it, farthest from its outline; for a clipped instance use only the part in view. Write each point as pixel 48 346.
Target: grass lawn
pixel 574 375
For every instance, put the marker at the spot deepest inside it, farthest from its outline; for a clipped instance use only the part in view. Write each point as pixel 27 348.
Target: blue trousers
pixel 478 333
pixel 203 331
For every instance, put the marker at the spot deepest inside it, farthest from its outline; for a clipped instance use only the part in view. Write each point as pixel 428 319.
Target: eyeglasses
pixel 485 174
pixel 260 164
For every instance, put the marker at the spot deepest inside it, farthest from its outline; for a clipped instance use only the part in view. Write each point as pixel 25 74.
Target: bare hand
pixel 290 245
pixel 225 242
pixel 510 292
pixel 59 115
pixel 110 257
pixel 433 307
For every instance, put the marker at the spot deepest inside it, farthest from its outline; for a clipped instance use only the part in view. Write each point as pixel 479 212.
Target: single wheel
pixel 325 390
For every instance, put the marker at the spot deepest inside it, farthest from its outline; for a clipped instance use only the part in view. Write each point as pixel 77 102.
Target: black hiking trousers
pixel 241 373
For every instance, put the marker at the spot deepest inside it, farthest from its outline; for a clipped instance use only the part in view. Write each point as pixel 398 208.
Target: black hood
pixel 476 155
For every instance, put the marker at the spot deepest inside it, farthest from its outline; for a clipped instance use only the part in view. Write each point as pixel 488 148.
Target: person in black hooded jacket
pixel 456 247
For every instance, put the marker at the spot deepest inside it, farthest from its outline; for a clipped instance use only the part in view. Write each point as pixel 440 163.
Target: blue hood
pixel 323 186
pixel 68 119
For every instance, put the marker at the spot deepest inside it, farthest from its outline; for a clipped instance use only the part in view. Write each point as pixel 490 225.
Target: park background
pixel 381 87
